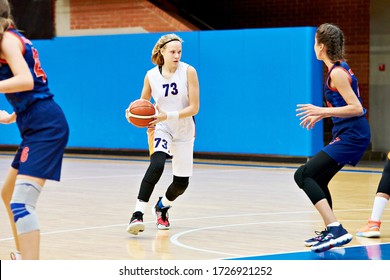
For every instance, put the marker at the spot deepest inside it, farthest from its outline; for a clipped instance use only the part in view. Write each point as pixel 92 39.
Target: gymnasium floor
pixel 231 210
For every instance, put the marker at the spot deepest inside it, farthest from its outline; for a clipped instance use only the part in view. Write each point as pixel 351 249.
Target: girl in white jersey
pixel 174 87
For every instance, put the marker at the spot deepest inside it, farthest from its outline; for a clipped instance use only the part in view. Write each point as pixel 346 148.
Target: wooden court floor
pixel 230 210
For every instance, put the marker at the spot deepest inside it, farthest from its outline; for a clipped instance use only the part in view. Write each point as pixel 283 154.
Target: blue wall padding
pixel 250 83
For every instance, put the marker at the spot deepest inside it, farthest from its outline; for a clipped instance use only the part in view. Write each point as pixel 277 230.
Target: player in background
pixel 43 128
pixel 372 228
pixel 174 87
pixel 351 135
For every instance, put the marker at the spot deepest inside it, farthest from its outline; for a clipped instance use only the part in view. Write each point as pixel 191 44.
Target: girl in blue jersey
pixel 43 129
pixel 351 135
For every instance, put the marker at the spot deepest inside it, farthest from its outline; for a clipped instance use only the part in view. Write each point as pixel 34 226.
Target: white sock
pixel 165 201
pixel 378 207
pixel 140 206
pixel 334 224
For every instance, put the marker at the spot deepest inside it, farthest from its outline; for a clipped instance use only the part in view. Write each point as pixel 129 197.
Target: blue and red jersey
pixel 20 101
pixel 351 136
pixel 333 97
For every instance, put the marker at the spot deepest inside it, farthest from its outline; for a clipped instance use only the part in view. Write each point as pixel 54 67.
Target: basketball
pixel 140 113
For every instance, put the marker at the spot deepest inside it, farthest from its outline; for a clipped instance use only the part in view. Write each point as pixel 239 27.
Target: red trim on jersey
pixel 23 44
pixel 350 73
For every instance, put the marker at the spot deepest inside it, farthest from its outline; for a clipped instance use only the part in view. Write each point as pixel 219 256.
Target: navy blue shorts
pixel 351 139
pixel 45 132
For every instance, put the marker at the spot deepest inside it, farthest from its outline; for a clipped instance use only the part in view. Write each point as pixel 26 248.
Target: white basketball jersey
pixel 172 95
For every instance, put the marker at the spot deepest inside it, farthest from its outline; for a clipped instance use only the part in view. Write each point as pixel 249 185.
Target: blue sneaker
pixel 335 237
pixel 320 234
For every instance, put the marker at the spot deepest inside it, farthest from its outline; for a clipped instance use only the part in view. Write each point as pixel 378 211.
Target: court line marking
pixel 200 218
pixel 175 238
pixel 260 165
pixel 64 178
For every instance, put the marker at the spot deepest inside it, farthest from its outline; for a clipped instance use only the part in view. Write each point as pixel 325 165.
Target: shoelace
pixel 164 214
pixel 321 234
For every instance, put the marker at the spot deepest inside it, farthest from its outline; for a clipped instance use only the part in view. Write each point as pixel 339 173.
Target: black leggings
pixel 153 175
pixel 384 184
pixel 314 176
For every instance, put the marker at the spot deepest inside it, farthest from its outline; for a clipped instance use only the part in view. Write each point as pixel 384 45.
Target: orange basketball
pixel 140 113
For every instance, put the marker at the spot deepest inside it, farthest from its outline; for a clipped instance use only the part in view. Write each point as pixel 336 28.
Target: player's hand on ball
pixel 127 115
pixel 160 116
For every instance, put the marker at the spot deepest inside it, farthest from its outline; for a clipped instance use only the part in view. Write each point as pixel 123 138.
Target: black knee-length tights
pixel 314 176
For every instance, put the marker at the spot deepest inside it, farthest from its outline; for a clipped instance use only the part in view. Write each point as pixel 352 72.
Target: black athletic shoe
pixel 136 224
pixel 162 216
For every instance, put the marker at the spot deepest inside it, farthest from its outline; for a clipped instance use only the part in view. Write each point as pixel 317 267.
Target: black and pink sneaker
pixel 136 224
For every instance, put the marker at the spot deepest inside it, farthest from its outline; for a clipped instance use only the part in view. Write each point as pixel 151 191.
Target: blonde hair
pixel 5 17
pixel 157 57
